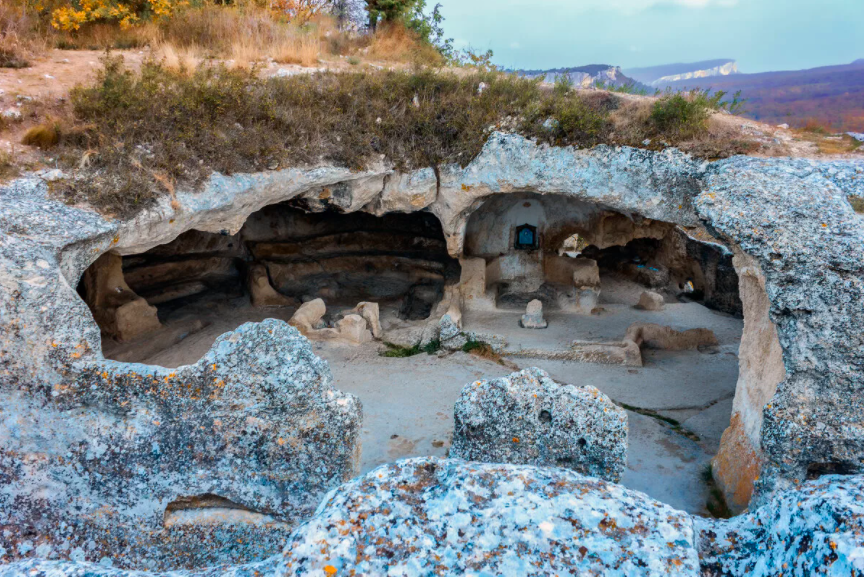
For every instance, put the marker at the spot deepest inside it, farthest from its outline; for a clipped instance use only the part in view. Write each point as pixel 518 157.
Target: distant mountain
pixel 659 75
pixel 586 76
pixel 830 95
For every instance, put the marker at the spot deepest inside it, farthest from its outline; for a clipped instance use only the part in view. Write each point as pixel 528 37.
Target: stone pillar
pixel 739 461
pixel 119 312
pixel 472 284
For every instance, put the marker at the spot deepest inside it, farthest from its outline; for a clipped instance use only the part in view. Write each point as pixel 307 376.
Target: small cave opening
pixel 167 305
pixel 571 254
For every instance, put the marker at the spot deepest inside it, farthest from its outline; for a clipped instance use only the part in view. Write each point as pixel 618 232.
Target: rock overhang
pixel 790 215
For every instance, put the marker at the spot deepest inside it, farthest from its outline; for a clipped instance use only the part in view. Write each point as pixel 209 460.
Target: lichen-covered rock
pixel 816 529
pixel 793 219
pixel 527 418
pixel 435 516
pixel 94 468
pixel 430 516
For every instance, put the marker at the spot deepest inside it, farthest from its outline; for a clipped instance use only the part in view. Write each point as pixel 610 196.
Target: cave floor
pixel 408 402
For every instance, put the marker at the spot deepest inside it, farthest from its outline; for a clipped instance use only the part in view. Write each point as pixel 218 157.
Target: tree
pixel 387 10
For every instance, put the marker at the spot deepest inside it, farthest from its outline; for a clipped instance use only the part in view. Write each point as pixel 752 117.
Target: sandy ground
pixel 408 402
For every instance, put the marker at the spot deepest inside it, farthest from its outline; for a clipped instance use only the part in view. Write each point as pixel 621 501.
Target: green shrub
pixel 684 115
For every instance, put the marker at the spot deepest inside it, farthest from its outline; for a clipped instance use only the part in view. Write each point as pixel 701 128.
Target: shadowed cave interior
pixel 587 264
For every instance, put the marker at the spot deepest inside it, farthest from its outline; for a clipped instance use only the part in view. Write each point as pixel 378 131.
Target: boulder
pixel 235 449
pixel 533 317
pixel 527 418
pixel 431 516
pixel 353 330
pixel 650 301
pixel 308 316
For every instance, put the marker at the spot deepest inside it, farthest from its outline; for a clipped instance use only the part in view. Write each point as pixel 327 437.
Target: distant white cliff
pixel 669 73
pixel 722 70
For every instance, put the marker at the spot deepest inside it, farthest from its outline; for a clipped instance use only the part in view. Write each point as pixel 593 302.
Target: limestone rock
pixel 650 301
pixel 123 314
pixel 490 520
pixel 372 314
pixel 653 336
pixel 352 329
pixel 533 317
pixel 308 316
pixel 255 423
pixel 449 334
pixel 527 418
pixel 815 529
pixel 813 281
pixel 262 292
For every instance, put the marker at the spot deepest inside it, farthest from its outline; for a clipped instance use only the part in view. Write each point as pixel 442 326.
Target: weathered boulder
pixel 816 529
pixel 650 301
pixel 205 464
pixel 372 314
pixel 527 418
pixel 533 317
pixel 429 516
pixel 308 316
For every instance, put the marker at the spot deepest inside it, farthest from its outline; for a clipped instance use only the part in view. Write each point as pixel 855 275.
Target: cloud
pixel 515 45
pixel 622 6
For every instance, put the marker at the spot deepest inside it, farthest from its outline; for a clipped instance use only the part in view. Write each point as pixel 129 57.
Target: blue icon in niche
pixel 526 237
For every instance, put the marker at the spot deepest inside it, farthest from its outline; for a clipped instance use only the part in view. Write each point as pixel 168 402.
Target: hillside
pixel 830 95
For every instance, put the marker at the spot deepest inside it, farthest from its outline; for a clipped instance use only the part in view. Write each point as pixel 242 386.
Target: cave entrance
pixel 167 305
pixel 575 256
pixel 669 358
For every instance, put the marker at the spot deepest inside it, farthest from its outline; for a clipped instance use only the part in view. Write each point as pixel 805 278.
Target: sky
pixel 761 35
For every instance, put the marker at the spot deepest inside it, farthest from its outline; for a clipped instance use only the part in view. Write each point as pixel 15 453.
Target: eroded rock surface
pixel 446 516
pixel 430 516
pixel 256 423
pixel 816 529
pixel 793 219
pixel 527 418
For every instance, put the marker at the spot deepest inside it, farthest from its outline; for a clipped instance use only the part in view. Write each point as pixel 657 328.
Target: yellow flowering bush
pixel 72 16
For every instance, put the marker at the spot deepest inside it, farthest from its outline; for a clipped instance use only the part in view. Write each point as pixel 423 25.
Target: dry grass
pixel 395 43
pixel 20 39
pixel 8 168
pixel 43 136
pixel 177 59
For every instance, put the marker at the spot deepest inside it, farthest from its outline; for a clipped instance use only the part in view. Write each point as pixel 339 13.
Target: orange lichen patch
pixel 737 465
pixel 330 570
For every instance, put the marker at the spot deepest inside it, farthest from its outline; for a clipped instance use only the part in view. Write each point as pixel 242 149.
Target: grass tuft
pixel 399 352
pixel 716 505
pixel 43 136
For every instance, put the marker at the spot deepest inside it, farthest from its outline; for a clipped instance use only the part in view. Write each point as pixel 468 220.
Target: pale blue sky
pixel 761 34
